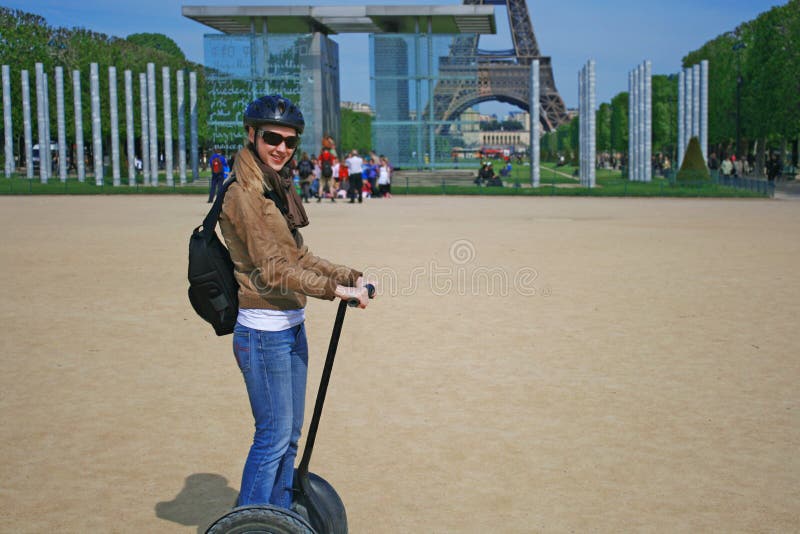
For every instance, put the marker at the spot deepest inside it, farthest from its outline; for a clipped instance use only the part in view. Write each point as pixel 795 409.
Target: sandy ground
pixel 532 365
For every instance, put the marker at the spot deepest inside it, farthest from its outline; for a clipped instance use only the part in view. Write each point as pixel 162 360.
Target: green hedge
pixel 609 189
pixel 25 186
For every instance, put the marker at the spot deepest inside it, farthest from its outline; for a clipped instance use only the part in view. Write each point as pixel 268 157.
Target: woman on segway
pixel 260 221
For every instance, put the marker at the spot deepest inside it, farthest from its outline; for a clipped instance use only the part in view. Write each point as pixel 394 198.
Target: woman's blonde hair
pixel 247 171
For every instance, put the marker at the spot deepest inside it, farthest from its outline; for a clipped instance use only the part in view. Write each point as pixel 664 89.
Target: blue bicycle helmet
pixel 274 109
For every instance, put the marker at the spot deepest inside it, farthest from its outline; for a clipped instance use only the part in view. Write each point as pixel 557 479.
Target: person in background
pixel 315 183
pixel 370 172
pixel 726 167
pixel 485 174
pixel 385 178
pixel 738 169
pixel 329 144
pixel 327 174
pixel 774 167
pixel 354 169
pixel 218 166
pixel 506 171
pixel 305 169
pixel 340 171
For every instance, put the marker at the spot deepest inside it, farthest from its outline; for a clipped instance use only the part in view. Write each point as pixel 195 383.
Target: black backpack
pixel 213 290
pixel 327 170
pixel 304 168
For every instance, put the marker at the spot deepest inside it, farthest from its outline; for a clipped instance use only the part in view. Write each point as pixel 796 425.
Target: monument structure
pixel 425 70
pixel 287 50
pixel 477 75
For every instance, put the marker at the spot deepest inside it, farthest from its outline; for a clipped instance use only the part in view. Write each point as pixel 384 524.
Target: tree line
pixel 27 39
pixel 760 58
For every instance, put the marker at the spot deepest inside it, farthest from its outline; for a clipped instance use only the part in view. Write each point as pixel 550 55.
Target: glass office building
pixel 416 80
pixel 420 76
pixel 301 67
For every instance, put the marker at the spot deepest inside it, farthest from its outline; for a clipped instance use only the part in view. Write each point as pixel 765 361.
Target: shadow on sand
pixel 202 500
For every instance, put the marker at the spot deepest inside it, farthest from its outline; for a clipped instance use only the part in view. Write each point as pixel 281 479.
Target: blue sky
pixel 617 34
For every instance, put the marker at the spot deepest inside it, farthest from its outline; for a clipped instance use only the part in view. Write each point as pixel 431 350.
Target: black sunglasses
pixel 275 139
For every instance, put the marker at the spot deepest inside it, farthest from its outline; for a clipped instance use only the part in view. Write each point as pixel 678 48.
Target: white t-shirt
pixel 383 177
pixel 354 164
pixel 270 320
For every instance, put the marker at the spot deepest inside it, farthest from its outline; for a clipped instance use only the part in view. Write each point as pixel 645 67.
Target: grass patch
pixel 606 188
pixel 609 184
pixel 32 186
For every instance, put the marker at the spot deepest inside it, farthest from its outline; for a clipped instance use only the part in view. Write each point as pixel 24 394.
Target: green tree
pixel 765 52
pixel 574 138
pixel 26 39
pixel 157 41
pixel 723 65
pixel 356 131
pixel 603 122
pixel 619 123
pixel 563 135
pixel 665 114
pixel 511 126
pixel 772 64
pixel 693 167
pixel 549 146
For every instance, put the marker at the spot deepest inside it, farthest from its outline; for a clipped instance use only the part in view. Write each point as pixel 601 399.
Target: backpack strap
pixel 273 196
pixel 210 222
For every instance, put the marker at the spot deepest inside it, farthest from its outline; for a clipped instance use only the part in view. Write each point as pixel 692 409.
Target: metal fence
pixel 463 183
pixel 765 187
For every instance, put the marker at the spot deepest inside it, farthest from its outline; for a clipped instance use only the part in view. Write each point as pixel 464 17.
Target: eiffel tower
pixel 502 75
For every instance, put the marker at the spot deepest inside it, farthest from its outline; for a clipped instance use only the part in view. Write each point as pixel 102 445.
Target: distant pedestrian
pixel 774 167
pixel 370 172
pixel 738 168
pixel 385 179
pixel 326 161
pixel 218 164
pixel 354 169
pixel 726 167
pixel 485 175
pixel 341 174
pixel 305 169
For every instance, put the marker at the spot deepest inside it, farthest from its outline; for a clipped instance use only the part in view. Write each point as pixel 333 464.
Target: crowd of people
pixel 354 177
pixel 327 175
pixel 737 167
pixel 486 175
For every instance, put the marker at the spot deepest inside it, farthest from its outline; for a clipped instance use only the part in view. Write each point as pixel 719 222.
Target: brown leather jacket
pixel 275 270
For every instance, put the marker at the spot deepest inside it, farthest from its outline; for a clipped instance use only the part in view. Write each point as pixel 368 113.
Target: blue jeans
pixel 215 186
pixel 274 366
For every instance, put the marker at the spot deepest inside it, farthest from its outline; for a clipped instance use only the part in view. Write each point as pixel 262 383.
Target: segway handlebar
pixel 370 291
pixel 325 378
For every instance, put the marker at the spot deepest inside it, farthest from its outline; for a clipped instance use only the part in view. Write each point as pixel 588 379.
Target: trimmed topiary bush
pixel 693 168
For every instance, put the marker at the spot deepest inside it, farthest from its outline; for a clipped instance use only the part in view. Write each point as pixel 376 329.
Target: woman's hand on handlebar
pixel 359 295
pixel 363 282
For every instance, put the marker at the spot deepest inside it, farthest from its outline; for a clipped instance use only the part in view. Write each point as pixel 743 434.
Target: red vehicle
pixel 495 153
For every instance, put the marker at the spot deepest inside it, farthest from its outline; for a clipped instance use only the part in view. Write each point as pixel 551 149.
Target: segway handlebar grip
pixel 370 291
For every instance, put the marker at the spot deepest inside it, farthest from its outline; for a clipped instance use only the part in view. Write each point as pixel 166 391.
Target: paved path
pixel 544 364
pixel 788 190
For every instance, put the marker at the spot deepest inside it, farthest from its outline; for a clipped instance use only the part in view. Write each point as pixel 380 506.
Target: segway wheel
pixel 260 519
